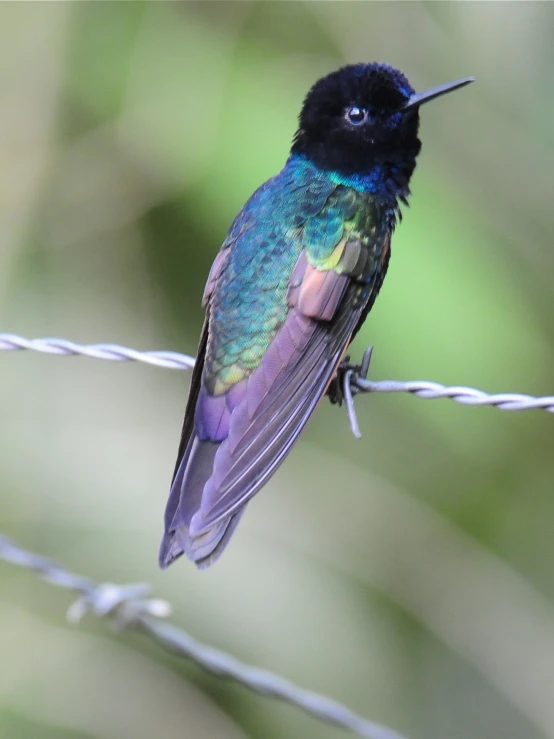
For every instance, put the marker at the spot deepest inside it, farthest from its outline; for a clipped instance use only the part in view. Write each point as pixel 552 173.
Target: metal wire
pixel 174 360
pixel 113 352
pixel 129 607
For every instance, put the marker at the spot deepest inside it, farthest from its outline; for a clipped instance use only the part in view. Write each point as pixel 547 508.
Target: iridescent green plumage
pixel 299 210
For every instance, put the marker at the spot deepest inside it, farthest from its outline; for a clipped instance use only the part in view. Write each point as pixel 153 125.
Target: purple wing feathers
pixel 237 440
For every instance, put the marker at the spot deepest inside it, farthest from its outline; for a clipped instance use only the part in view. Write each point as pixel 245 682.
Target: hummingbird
pixel 294 280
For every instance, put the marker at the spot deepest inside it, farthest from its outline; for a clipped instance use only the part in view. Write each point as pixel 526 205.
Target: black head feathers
pixel 353 119
pixel 362 117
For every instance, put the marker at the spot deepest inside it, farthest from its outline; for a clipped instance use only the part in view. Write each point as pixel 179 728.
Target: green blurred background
pixel 410 574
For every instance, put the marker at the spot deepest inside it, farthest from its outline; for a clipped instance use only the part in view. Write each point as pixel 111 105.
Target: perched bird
pixel 295 279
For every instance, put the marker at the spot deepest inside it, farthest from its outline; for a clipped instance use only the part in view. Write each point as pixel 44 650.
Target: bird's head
pixel 363 115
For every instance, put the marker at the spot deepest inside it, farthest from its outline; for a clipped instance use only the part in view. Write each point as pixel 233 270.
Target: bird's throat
pixel 387 180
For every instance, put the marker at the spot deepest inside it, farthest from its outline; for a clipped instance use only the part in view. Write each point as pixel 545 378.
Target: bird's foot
pixel 344 387
pixel 335 391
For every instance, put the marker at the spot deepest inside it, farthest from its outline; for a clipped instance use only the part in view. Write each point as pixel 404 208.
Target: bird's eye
pixel 356 116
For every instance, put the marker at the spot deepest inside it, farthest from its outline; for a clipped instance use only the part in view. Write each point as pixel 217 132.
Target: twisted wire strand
pixel 129 607
pixel 174 360
pixel 113 352
pixel 460 394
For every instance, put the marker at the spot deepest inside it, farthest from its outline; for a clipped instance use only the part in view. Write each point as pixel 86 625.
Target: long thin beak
pixel 423 97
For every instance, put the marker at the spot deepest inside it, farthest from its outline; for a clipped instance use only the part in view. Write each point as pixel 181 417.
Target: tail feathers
pixel 207 547
pixel 184 501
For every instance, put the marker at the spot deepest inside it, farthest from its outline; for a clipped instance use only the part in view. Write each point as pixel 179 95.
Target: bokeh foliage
pixel 409 574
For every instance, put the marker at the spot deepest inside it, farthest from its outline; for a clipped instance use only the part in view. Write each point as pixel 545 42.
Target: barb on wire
pixel 129 607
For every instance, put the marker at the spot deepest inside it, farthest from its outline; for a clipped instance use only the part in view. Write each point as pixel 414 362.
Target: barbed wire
pixel 130 607
pixel 175 360
pixel 353 380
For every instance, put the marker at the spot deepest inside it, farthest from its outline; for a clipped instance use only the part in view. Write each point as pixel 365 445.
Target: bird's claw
pixel 335 392
pixel 344 387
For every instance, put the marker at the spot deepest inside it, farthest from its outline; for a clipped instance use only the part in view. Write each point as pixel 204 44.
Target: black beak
pixel 423 97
